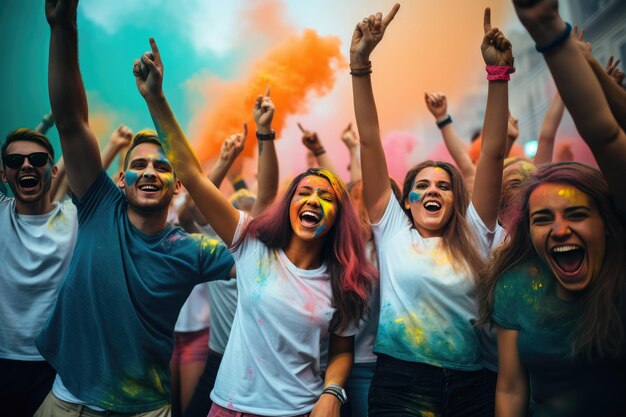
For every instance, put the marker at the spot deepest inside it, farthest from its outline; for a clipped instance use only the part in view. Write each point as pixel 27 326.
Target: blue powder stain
pixel 319 230
pixel 131 177
pixel 414 197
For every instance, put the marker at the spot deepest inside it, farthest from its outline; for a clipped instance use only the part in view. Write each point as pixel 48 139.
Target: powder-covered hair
pixel 351 275
pixel 459 240
pixel 600 328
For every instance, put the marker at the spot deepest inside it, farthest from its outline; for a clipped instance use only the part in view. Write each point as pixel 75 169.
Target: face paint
pixel 313 208
pixel 414 197
pixel 131 177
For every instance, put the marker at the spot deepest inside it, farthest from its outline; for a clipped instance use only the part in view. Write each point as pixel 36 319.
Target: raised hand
pixel 148 72
pixel 121 137
pixel 496 48
pixel 310 140
pixel 437 104
pixel 612 68
pixel 367 34
pixel 61 11
pixel 349 137
pixel 264 112
pixel 233 145
pixel 541 18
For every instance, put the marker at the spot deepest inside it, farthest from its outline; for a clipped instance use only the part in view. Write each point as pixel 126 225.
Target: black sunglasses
pixel 16 160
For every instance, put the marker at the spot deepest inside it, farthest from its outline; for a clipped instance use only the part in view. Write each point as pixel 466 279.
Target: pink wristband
pixel 499 72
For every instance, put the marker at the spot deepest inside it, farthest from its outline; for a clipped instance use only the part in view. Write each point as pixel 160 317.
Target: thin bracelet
pixel 360 72
pixel 557 41
pixel 266 136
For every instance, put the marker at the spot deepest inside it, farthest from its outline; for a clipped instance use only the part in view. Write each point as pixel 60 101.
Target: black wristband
pixel 266 136
pixel 561 37
pixel 444 122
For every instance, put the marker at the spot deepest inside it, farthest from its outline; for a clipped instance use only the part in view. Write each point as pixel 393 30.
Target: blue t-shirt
pixel 561 384
pixel 110 335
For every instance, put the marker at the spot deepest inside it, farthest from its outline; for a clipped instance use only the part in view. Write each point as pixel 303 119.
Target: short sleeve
pixel 505 304
pixel 487 239
pixel 393 221
pixel 216 260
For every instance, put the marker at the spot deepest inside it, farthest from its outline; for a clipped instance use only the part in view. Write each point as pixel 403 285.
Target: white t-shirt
pixel 489 240
pixel 222 296
pixel 196 312
pixel 428 309
pixel 364 339
pixel 271 363
pixel 36 252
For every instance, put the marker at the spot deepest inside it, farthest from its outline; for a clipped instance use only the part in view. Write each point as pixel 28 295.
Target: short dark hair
pixel 30 136
pixel 143 136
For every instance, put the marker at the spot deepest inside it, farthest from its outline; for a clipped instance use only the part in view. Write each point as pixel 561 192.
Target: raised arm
pixel 351 140
pixel 68 99
pixel 222 216
pixel 547 134
pixel 267 171
pixel 437 105
pixel 581 91
pixel 498 56
pixel 313 143
pixel 613 91
pixel 230 150
pixel 376 189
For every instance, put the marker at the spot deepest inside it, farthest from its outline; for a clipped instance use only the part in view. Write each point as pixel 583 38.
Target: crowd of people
pixel 492 286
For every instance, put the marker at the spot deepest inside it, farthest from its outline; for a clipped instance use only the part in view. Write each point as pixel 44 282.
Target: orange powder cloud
pixel 301 65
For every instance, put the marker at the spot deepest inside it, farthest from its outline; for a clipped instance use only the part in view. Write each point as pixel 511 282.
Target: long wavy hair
pixel 343 251
pixel 458 239
pixel 600 328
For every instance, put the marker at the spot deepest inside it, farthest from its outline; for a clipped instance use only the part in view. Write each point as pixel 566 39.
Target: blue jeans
pixel 412 389
pixel 357 389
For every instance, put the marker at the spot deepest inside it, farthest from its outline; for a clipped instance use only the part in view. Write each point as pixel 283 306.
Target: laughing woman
pixel 301 273
pixel 556 290
pixel 429 250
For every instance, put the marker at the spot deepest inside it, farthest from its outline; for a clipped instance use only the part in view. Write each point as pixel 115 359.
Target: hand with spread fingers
pixel 496 48
pixel 612 68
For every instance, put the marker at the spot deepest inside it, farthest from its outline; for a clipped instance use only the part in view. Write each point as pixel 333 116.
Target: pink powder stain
pixel 250 373
pixel 260 322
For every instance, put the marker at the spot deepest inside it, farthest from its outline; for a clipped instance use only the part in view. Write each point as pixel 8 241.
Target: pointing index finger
pixel 392 13
pixel 267 91
pixel 155 49
pixel 303 130
pixel 487 19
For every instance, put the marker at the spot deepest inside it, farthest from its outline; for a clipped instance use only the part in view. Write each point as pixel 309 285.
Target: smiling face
pixel 29 183
pixel 149 179
pixel 313 208
pixel 568 233
pixel 431 201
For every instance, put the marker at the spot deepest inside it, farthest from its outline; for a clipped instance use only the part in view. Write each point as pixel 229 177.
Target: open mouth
pixel 568 258
pixel 432 206
pixel 310 219
pixel 28 181
pixel 149 188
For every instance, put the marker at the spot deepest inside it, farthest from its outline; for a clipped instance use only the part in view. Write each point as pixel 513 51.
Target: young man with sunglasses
pixel 37 238
pixel 110 334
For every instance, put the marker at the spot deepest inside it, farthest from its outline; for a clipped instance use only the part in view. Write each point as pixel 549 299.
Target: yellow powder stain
pixel 572 195
pixel 428 414
pixel 400 320
pixel 537 284
pixel 157 381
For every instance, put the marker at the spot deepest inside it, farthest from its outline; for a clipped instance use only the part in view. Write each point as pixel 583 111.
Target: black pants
pixel 410 389
pixel 24 385
pixel 201 403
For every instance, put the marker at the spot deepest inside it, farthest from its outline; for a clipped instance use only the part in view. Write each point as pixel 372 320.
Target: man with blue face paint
pixel 110 335
pixel 37 238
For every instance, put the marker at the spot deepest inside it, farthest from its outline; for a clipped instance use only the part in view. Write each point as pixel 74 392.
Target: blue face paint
pixel 131 177
pixel 414 197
